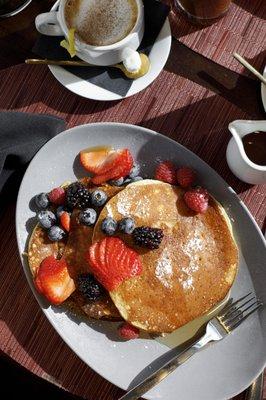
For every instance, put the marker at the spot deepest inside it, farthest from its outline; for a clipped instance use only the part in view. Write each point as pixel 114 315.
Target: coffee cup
pixel 54 23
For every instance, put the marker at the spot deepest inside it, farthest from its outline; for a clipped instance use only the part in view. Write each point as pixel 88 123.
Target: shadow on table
pixel 253 7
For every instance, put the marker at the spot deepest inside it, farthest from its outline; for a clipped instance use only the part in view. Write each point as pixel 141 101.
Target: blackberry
pixel 77 196
pixel 89 287
pixel 148 237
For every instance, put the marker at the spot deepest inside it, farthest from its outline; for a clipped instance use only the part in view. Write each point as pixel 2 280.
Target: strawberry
pixel 112 262
pixel 98 161
pixel 57 196
pixel 122 166
pixel 53 280
pixel 197 199
pixel 185 176
pixel 127 331
pixel 65 221
pixel 166 172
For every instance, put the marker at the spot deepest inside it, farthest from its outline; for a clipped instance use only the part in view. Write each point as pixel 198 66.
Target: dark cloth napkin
pixel 21 136
pixel 104 77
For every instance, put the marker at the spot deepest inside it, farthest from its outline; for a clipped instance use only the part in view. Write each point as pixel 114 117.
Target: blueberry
pixel 42 201
pixel 117 182
pixel 55 233
pixel 109 226
pixel 59 211
pixel 98 198
pixel 127 225
pixel 134 171
pixel 88 217
pixel 46 219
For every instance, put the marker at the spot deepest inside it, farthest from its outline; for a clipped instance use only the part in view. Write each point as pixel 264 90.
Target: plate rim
pixel 24 263
pixel 56 70
pixel 263 90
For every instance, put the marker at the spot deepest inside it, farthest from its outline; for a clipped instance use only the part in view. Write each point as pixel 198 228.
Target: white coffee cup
pixel 53 24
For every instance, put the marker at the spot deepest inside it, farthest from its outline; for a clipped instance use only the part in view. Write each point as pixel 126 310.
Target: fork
pixel 219 327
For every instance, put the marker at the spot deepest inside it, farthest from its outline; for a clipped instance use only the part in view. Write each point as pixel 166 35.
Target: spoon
pixel 246 64
pixel 144 69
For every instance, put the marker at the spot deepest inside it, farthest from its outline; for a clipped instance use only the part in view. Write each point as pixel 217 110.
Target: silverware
pixel 255 390
pixel 246 64
pixel 145 65
pixel 232 315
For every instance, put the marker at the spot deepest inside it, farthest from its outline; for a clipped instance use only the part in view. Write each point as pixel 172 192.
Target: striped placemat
pixel 242 30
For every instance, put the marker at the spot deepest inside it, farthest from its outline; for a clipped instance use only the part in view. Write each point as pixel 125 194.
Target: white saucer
pixel 158 57
pixel 263 90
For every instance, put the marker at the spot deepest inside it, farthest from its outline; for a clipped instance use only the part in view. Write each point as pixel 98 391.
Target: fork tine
pixel 245 317
pixel 233 310
pixel 231 305
pixel 239 311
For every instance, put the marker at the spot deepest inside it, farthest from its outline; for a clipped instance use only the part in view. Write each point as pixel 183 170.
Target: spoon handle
pixel 246 64
pixel 57 62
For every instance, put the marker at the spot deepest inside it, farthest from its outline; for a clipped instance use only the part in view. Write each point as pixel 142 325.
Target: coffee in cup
pixel 101 22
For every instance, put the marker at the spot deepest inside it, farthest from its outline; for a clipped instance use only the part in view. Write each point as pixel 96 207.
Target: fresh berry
pixel 98 198
pixel 57 196
pixel 109 226
pixel 46 219
pixel 117 182
pixel 185 176
pixel 53 280
pixel 42 201
pixel 112 262
pixel 89 287
pixel 166 172
pixel 98 161
pixel 60 210
pixel 197 199
pixel 55 233
pixel 65 221
pixel 134 171
pixel 127 225
pixel 77 196
pixel 88 217
pixel 121 167
pixel 148 237
pixel 128 331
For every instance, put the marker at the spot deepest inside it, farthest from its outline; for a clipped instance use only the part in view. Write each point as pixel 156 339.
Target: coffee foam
pixel 101 22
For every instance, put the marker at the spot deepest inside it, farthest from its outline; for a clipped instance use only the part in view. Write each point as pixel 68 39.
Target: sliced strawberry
pixel 121 168
pixel 97 161
pixel 65 221
pixel 54 281
pixel 112 262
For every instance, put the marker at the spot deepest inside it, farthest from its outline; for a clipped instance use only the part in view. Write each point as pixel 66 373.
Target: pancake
pixel 194 267
pixel 73 250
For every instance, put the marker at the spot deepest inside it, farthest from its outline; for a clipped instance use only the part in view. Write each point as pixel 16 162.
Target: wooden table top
pixel 192 101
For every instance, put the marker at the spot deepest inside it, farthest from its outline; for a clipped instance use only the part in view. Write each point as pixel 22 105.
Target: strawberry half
pixel 65 221
pixel 122 166
pixel 112 262
pixel 53 280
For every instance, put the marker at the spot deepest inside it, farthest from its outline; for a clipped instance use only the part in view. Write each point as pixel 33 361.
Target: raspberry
pixel 185 176
pixel 57 196
pixel 166 172
pixel 197 199
pixel 148 237
pixel 127 331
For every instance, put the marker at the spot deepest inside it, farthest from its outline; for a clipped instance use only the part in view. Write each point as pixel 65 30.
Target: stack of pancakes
pixel 192 270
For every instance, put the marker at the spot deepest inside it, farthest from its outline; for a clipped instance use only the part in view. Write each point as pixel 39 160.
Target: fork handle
pixel 166 369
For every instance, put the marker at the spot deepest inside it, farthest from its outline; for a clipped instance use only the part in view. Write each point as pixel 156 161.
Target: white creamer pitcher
pixel 237 160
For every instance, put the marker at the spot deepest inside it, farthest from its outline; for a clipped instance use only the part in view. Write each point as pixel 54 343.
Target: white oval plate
pixel 216 373
pixel 263 90
pixel 158 57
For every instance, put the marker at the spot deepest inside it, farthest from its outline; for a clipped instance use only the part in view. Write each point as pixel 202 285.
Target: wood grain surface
pixel 192 101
